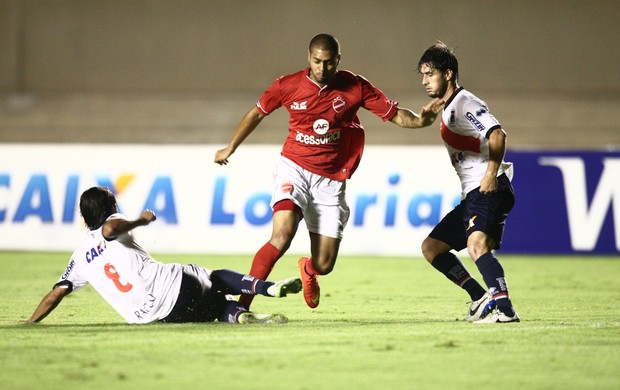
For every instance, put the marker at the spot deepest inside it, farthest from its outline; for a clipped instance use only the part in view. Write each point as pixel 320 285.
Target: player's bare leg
pixel 324 253
pixel 431 248
pixel 478 244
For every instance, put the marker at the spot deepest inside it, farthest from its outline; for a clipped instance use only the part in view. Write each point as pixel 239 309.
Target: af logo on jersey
pixel 320 126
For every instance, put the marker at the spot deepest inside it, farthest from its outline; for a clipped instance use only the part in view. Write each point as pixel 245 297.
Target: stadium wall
pixel 568 202
pixel 218 46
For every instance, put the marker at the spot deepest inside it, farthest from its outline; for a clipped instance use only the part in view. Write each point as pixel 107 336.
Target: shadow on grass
pixel 113 327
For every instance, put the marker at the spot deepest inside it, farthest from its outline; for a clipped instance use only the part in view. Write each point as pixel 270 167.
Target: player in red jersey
pixel 322 150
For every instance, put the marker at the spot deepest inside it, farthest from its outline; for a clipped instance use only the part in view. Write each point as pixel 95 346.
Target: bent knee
pixel 324 266
pixel 478 244
pixel 282 239
pixel 432 248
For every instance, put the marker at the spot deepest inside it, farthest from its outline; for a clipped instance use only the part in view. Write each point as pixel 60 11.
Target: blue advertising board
pixel 566 202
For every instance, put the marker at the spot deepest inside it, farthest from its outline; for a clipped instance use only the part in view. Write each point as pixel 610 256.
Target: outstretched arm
pixel 115 227
pixel 245 128
pixel 407 118
pixel 48 304
pixel 497 150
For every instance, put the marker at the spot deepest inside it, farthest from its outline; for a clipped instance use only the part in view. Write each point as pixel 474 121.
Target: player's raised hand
pixel 430 111
pixel 148 216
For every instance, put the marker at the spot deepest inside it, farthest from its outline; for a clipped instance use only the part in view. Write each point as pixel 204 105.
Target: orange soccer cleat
pixel 312 291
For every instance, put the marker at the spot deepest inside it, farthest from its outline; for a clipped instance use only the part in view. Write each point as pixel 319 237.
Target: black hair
pixel 325 42
pixel 440 57
pixel 96 205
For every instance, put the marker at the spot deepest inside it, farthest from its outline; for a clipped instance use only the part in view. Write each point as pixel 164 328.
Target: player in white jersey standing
pixel 143 290
pixel 476 144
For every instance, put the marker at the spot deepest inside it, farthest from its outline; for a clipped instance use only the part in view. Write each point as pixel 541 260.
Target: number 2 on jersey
pixel 111 273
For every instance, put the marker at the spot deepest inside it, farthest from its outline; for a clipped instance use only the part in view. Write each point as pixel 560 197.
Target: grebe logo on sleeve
pixel 338 104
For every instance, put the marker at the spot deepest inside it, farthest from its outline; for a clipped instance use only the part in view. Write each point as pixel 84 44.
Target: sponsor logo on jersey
pixel 317 140
pixel 472 119
pixel 320 126
pixel 95 251
pixel 299 106
pixel 456 157
pixel 482 110
pixel 68 270
pixel 338 104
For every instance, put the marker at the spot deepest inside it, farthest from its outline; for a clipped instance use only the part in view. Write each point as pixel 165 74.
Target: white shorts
pixel 200 274
pixel 322 200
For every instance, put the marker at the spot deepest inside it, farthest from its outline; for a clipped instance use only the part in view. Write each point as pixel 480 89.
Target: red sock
pixel 310 270
pixel 263 263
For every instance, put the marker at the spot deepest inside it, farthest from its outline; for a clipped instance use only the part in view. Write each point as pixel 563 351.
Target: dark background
pixel 155 71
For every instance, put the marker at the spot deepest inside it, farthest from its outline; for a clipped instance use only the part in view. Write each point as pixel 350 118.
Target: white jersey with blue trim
pixel 138 287
pixel 466 124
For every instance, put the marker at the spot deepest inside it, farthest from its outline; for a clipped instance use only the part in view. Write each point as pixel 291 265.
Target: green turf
pixel 383 323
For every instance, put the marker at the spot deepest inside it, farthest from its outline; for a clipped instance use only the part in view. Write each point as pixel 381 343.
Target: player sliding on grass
pixel 322 150
pixel 143 290
pixel 476 144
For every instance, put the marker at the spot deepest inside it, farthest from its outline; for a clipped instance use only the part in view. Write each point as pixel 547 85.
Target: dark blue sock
pixel 493 275
pixel 450 265
pixel 231 312
pixel 235 283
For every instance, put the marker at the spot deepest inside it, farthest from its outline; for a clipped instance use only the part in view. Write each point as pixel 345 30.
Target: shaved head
pixel 325 42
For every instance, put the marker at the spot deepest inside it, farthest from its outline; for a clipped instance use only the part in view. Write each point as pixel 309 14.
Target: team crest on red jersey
pixel 338 104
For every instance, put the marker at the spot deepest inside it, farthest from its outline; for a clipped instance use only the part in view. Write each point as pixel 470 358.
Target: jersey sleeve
pixel 116 216
pixel 376 102
pixel 479 117
pixel 271 99
pixel 71 278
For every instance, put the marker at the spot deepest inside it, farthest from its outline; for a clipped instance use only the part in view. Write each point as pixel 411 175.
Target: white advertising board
pixel 397 195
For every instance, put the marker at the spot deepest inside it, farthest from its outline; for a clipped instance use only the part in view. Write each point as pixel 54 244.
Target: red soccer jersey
pixel 325 135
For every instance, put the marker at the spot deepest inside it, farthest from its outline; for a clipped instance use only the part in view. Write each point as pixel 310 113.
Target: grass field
pixel 383 323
